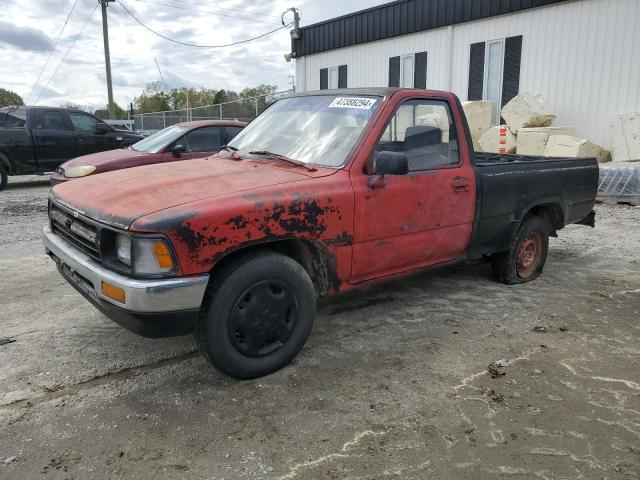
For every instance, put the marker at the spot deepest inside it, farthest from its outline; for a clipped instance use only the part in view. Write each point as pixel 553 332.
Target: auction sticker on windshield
pixel 353 102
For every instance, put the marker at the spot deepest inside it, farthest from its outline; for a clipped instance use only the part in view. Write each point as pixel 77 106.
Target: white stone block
pixel 475 137
pixel 625 135
pixel 478 115
pixel 490 141
pixel 526 110
pixel 568 146
pixel 533 141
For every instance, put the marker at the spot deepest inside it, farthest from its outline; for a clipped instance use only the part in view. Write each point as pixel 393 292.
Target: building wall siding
pixel 579 55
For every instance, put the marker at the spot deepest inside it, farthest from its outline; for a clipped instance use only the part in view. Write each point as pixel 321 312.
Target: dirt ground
pixel 393 382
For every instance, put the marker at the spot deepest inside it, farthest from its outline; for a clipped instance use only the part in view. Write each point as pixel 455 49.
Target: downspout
pixel 301 74
pixel 449 59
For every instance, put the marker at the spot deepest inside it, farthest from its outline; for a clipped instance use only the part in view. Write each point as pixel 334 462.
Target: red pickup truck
pixel 322 193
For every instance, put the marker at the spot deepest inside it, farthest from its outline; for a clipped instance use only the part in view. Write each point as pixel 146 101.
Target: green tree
pixel 7 97
pixel 262 92
pixel 103 113
pixel 181 98
pixel 75 106
pixel 153 99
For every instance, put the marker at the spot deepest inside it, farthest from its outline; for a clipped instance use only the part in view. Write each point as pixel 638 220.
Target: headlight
pixel 123 249
pixel 76 172
pixel 145 256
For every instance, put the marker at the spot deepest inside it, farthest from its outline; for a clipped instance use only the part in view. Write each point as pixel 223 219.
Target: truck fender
pixel 315 258
pixel 552 210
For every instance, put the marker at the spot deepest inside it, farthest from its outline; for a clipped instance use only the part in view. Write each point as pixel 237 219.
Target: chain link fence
pixel 242 109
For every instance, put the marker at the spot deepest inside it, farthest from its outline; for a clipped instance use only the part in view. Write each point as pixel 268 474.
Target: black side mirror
pixel 102 128
pixel 178 148
pixel 387 163
pixel 390 163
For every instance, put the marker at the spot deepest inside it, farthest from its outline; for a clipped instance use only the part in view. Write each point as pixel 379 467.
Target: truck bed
pixel 509 185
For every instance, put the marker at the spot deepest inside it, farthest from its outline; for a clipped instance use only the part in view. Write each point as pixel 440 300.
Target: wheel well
pixel 4 160
pixel 552 215
pixel 317 261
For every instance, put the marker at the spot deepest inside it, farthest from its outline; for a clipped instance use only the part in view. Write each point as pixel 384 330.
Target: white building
pixel 582 56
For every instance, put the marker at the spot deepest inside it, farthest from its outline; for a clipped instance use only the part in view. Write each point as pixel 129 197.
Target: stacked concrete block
pixel 490 141
pixel 475 138
pixel 478 115
pixel 569 146
pixel 526 110
pixel 625 133
pixel 533 141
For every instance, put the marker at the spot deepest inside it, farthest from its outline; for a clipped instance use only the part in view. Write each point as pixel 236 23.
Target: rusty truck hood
pixel 120 197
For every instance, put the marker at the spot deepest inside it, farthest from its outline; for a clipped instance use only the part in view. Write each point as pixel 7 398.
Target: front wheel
pixel 527 255
pixel 257 314
pixel 4 177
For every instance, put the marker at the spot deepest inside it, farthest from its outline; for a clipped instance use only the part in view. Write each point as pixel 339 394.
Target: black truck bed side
pixel 509 186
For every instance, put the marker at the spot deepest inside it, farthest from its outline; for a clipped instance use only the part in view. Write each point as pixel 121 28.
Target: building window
pixel 493 65
pixel 333 77
pixel 408 71
pixel 494 72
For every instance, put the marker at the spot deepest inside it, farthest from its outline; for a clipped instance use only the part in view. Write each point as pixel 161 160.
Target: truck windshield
pixel 159 140
pixel 13 117
pixel 318 129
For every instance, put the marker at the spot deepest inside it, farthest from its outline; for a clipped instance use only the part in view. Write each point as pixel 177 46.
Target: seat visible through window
pixel 424 132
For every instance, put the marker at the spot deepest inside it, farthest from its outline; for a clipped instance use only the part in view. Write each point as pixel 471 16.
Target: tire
pixel 4 177
pixel 527 255
pixel 233 332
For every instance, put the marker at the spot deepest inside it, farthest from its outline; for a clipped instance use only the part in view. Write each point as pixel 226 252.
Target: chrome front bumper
pixel 141 296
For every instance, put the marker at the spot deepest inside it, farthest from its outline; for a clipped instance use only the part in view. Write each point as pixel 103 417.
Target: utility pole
pixel 107 56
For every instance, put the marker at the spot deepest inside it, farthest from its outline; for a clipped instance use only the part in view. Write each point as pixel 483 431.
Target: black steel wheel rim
pixel 263 318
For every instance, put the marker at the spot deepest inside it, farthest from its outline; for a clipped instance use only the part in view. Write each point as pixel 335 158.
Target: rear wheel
pixel 527 255
pixel 256 315
pixel 4 177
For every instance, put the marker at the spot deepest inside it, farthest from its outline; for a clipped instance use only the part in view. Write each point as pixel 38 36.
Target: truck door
pixel 426 217
pixel 92 134
pixel 53 139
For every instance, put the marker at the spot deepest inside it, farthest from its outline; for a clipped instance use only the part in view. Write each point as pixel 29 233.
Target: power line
pixel 67 52
pixel 192 44
pixel 207 12
pixel 52 50
pixel 160 72
pixel 227 9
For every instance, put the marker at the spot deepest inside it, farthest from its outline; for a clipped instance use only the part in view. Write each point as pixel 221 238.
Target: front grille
pixel 76 231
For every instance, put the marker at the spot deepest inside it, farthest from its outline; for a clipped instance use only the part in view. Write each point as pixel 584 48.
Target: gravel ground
pixel 393 382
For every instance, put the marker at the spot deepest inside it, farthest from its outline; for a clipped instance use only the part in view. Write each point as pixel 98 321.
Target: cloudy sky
pixel 29 30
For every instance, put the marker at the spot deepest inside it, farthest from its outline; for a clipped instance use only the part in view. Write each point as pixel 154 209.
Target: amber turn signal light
pixel 162 255
pixel 113 292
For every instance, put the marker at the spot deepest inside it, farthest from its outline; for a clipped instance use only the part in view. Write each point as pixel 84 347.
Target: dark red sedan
pixel 183 141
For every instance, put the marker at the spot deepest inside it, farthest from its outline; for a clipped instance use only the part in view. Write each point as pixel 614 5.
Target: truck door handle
pixel 460 184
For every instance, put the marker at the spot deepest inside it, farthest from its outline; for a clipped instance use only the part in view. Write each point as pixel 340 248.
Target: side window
pixel 82 122
pixel 424 131
pixel 205 139
pixel 232 132
pixel 13 118
pixel 53 120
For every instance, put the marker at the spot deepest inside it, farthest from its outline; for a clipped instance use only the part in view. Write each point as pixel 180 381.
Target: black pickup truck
pixel 38 139
pixel 322 193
